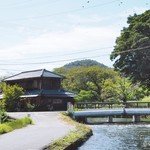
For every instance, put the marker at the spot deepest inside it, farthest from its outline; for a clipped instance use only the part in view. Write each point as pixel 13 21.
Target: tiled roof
pixel 33 74
pixel 50 93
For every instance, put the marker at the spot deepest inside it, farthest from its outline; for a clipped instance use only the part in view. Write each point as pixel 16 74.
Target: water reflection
pixel 118 137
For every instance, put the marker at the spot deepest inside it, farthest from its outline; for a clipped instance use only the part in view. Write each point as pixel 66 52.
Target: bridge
pixel 135 113
pixel 95 110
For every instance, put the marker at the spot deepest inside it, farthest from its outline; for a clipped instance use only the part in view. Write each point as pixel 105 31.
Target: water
pixel 118 137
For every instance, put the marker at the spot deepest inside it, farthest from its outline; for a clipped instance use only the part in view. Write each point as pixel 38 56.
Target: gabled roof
pixel 33 74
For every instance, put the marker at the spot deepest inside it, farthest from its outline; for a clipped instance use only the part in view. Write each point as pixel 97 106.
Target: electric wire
pixel 15 3
pixel 79 52
pixel 66 12
pixel 65 60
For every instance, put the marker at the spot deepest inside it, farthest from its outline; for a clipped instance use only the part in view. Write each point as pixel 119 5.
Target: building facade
pixel 42 90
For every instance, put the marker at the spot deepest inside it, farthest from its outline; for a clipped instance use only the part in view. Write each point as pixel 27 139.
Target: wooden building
pixel 42 89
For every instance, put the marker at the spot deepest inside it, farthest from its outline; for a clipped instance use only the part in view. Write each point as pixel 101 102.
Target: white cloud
pixel 60 43
pixel 57 36
pixel 77 38
pixel 68 41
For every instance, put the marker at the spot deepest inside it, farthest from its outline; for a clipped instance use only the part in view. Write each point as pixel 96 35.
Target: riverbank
pixel 74 139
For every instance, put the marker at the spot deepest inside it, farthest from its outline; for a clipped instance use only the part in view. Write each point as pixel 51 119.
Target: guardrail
pixel 98 105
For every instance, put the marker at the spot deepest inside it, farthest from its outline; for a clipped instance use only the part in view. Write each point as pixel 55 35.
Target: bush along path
pixel 74 139
pixel 14 124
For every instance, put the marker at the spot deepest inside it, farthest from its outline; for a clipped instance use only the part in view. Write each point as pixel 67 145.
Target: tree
pixel 132 50
pixel 86 96
pixel 87 79
pixel 121 88
pixel 2 102
pixel 125 90
pixel 109 90
pixel 11 96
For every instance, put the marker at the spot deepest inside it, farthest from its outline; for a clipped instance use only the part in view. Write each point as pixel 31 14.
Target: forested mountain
pixel 84 63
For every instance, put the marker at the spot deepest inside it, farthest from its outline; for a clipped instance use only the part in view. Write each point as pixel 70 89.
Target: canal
pixel 118 137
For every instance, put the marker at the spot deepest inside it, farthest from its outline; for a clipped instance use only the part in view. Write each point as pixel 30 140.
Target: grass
pixel 15 124
pixel 74 138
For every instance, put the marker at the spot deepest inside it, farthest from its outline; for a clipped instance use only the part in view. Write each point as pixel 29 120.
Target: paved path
pixel 47 128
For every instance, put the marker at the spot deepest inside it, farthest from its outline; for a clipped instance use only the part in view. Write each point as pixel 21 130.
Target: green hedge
pixel 15 124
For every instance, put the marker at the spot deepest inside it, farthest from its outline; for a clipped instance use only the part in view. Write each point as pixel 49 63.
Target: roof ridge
pixel 31 71
pixel 56 73
pixel 42 72
pixel 53 73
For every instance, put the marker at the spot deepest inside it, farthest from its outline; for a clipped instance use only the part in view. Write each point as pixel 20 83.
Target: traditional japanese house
pixel 42 89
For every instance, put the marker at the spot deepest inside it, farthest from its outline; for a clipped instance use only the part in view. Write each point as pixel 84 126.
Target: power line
pixel 16 3
pixel 28 27
pixel 48 62
pixel 26 2
pixel 65 12
pixel 11 70
pixel 133 49
pixel 59 13
pixel 29 3
pixel 80 52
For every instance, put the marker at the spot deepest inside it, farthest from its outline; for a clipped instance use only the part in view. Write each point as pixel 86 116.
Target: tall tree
pixel 132 50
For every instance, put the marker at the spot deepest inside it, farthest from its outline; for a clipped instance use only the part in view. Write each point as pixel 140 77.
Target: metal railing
pixel 110 105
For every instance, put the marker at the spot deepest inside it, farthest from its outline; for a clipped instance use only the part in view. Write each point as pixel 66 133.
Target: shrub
pixel 15 124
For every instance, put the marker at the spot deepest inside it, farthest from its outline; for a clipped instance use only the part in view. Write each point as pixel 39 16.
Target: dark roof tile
pixel 33 74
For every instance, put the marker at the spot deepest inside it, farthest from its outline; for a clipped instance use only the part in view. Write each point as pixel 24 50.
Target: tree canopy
pixel 98 84
pixel 132 50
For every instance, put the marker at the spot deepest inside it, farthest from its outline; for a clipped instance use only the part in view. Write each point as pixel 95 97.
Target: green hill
pixel 84 63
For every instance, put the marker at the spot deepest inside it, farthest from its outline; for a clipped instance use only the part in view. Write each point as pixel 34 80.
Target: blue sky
pixel 47 34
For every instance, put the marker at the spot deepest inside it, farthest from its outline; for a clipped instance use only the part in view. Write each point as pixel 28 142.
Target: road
pixel 47 128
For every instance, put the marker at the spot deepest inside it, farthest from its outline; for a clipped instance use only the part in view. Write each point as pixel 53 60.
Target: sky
pixel 37 34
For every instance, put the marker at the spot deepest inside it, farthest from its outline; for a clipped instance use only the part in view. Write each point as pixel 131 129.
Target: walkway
pixel 47 128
